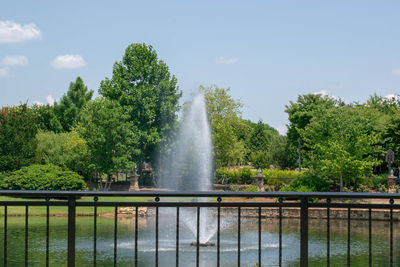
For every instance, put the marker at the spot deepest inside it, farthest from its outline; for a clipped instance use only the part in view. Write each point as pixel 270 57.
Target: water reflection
pixel 146 242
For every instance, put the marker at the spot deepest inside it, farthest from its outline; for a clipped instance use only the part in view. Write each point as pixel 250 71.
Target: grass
pixel 60 211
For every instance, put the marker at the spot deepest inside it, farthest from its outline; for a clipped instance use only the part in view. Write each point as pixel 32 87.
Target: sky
pixel 266 52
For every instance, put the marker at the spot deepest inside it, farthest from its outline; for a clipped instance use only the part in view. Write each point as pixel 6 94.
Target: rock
pixel 142 211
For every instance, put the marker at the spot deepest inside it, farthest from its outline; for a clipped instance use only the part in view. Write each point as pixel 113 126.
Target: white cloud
pixel 322 93
pixel 50 100
pixel 391 97
pixel 11 32
pixel 69 62
pixel 282 129
pixel 15 61
pixel 226 61
pixel 396 71
pixel 5 72
pixel 38 103
pixel 326 94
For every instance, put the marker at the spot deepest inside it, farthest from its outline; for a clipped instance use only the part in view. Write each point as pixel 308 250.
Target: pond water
pixel 208 255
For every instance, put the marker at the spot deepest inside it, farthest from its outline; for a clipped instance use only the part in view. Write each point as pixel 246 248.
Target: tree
pixel 148 93
pixel 110 136
pixel 17 137
pixel 72 103
pixel 226 125
pixel 258 146
pixel 47 119
pixel 67 150
pixel 301 113
pixel 340 144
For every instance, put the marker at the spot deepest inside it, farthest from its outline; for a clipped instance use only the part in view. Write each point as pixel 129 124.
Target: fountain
pixel 188 167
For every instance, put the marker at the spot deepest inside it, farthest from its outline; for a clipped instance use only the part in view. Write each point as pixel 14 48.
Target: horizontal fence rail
pixel 303 202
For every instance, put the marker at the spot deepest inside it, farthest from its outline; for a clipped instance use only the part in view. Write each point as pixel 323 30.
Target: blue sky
pixel 267 52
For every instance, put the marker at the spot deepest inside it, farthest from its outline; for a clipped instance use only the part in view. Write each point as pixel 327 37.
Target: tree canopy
pixel 72 103
pixel 149 95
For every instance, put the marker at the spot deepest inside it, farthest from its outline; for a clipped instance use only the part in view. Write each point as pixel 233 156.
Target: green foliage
pixel 227 127
pixel 143 86
pixel 110 136
pixel 67 150
pixel 276 183
pixel 17 137
pixel 300 115
pixel 245 175
pixel 277 173
pixel 307 184
pixel 72 103
pixel 251 189
pixel 47 119
pixel 341 142
pixel 235 176
pixel 43 177
pixel 265 147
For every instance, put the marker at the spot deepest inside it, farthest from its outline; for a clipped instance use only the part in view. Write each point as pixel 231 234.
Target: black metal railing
pixel 304 202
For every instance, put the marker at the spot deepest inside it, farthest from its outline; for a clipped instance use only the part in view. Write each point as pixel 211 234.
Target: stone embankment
pixel 313 213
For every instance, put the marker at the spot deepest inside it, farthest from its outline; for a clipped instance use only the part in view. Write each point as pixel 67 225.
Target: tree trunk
pixel 341 182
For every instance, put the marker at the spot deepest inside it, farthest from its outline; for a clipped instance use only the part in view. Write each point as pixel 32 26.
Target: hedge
pixel 43 177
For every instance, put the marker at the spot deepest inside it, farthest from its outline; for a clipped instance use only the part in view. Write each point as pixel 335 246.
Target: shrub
pixel 251 189
pixel 308 184
pixel 276 183
pixel 246 176
pixel 43 177
pixel 229 176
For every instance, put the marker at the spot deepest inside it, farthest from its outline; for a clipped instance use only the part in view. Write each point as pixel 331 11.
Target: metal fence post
pixel 71 231
pixel 304 232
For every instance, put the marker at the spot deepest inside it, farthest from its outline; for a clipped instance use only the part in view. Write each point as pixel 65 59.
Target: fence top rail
pixel 292 195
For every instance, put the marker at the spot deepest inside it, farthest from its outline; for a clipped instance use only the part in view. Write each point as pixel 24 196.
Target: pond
pixel 187 256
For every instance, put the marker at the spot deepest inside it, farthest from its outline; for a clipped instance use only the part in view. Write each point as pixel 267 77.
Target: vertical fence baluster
pixel 71 230
pixel 304 232
pixel 218 231
pixel 238 237
pixel 391 232
pixel 136 236
pixel 115 234
pixel 26 235
pixel 5 236
pixel 328 234
pixel 156 236
pixel 157 199
pixel 348 236
pixel 259 236
pixel 95 232
pixel 280 231
pixel 47 231
pixel 198 238
pixel 177 236
pixel 370 237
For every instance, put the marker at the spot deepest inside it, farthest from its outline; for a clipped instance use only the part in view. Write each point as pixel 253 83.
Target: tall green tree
pixel 144 87
pixel 72 103
pixel 258 146
pixel 227 125
pixel 300 114
pixel 17 137
pixel 110 136
pixel 47 119
pixel 341 143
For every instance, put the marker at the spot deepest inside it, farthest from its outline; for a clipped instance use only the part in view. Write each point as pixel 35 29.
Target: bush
pixel 246 176
pixel 307 184
pixel 251 189
pixel 43 177
pixel 276 183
